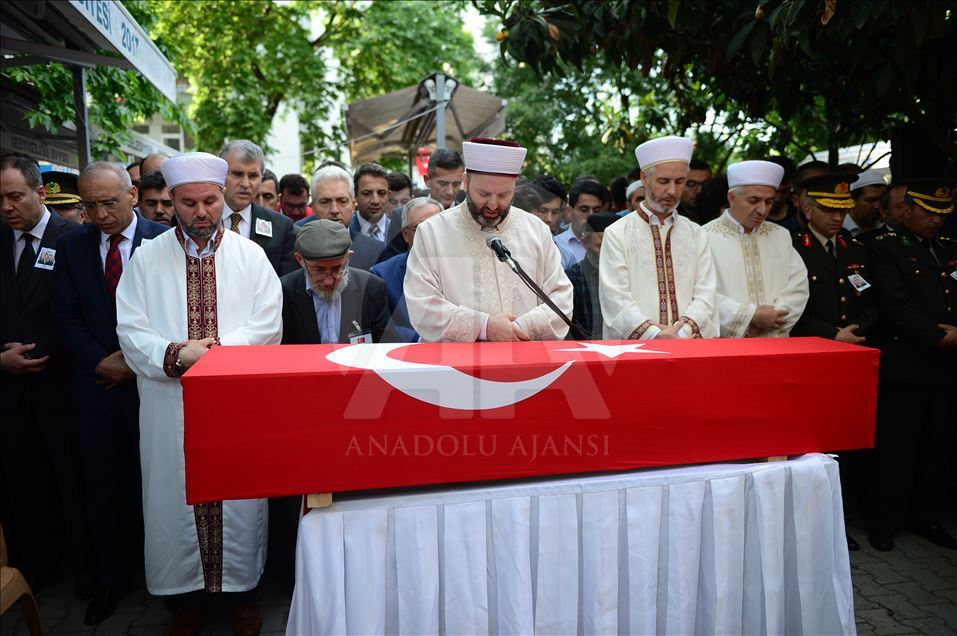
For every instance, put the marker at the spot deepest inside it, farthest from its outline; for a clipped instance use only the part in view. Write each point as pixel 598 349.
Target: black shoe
pixel 881 540
pixel 934 533
pixel 852 545
pixel 103 605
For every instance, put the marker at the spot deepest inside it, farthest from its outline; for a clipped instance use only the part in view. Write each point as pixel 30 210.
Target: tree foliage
pixel 844 70
pixel 244 59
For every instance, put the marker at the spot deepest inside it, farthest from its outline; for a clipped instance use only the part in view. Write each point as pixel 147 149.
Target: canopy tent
pixel 75 33
pixel 438 111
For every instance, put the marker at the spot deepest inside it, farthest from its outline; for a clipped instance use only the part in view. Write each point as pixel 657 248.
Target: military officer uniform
pixel 916 289
pixel 840 287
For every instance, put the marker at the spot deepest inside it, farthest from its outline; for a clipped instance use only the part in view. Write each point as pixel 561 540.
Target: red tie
pixel 114 265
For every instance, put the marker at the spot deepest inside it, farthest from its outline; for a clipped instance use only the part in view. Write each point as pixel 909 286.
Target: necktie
pixel 27 259
pixel 830 248
pixel 234 220
pixel 374 232
pixel 930 248
pixel 113 268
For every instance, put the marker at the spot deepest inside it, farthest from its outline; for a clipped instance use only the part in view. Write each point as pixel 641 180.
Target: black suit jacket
pixel 915 293
pixel 364 301
pixel 87 316
pixel 26 317
pixel 280 246
pixel 834 302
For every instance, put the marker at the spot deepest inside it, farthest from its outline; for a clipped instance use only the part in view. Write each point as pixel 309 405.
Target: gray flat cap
pixel 322 239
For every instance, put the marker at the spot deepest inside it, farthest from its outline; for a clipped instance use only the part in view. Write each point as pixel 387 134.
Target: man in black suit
pixel 41 505
pixel 270 230
pixel 334 197
pixel 102 386
pixel 328 302
pixel 915 279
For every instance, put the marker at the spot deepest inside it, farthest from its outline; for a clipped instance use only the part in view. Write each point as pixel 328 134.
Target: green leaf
pixel 673 6
pixel 738 40
pixel 759 43
pixel 860 11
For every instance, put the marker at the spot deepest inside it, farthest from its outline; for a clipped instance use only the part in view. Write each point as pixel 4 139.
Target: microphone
pixel 496 245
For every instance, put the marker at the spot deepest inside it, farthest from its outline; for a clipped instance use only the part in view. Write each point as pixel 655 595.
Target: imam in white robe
pixel 165 298
pixel 760 268
pixel 652 273
pixel 454 282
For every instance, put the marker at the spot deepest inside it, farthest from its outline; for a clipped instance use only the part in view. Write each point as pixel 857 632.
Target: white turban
pixel 868 178
pixel 194 167
pixel 631 188
pixel 663 150
pixel 494 156
pixel 751 173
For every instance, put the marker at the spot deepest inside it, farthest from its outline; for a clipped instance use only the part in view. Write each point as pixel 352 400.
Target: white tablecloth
pixel 721 549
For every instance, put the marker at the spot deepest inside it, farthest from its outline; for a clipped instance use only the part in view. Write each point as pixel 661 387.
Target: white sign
pixel 124 35
pixel 36 148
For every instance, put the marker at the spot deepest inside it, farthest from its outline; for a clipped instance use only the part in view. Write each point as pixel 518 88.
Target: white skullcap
pixel 868 177
pixel 663 150
pixel 631 188
pixel 194 167
pixel 749 173
pixel 494 156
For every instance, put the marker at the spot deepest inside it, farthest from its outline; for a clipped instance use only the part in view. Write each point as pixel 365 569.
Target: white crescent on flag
pixel 440 385
pixel 445 386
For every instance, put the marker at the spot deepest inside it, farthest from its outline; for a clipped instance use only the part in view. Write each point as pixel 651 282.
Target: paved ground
pixel 912 590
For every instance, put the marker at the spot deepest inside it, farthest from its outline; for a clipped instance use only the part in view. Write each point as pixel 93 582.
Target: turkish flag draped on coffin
pixel 331 418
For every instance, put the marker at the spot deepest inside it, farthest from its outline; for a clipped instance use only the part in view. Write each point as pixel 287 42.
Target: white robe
pixel 760 268
pixel 151 308
pixel 453 281
pixel 633 286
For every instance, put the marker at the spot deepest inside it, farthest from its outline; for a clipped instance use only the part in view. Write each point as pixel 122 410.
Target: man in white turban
pixel 762 280
pixel 185 292
pixel 656 278
pixel 455 287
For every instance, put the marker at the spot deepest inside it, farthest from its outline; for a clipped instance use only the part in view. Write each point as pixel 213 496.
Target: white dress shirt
pixel 126 247
pixel 36 233
pixel 365 227
pixel 244 225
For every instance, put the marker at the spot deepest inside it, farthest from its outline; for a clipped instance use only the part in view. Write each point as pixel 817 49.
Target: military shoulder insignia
pixel 52 188
pixel 881 237
pixel 947 238
pixel 905 241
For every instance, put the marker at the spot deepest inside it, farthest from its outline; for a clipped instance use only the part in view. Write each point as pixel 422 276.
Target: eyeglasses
pixel 322 273
pixel 91 206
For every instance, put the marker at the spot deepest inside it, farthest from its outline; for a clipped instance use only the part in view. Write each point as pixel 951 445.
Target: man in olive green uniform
pixel 915 280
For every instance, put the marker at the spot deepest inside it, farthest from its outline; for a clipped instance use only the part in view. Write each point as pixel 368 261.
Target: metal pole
pixel 82 119
pixel 440 112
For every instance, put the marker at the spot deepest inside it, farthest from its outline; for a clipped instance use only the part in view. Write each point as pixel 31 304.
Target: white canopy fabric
pixel 398 123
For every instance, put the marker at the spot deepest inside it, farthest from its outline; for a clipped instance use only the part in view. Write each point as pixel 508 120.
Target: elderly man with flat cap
pixel 657 279
pixel 216 288
pixel 327 302
pixel 455 287
pixel 762 281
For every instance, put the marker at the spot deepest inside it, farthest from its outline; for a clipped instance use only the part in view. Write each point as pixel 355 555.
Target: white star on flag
pixel 612 351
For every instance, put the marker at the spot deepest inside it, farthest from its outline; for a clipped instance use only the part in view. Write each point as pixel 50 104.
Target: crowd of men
pixel 117 281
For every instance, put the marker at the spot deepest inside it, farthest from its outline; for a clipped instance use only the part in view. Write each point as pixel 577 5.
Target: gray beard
pixel 653 204
pixel 336 291
pixel 197 234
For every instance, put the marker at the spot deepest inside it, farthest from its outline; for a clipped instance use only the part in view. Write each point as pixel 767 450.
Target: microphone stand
pixel 578 332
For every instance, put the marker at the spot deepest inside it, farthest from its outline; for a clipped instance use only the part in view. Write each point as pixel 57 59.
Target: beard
pixel 653 204
pixel 336 291
pixel 197 233
pixel 480 219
